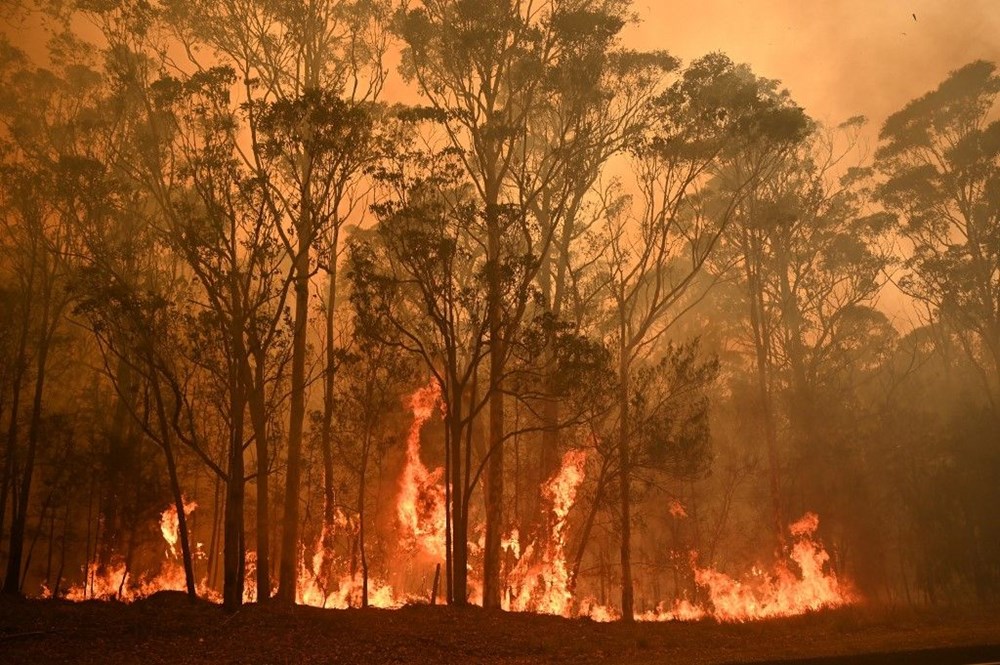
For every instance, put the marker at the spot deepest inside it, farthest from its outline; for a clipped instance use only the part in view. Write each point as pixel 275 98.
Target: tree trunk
pixel 761 347
pixel 494 478
pixel 625 481
pixel 234 550
pixel 258 417
pixel 12 581
pixel 361 517
pixel 326 435
pixel 588 526
pixel 175 488
pixel 288 571
pixel 7 484
pixel 459 525
pixel 234 556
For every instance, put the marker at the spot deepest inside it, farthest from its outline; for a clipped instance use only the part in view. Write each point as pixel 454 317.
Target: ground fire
pixel 538 580
pixel 599 323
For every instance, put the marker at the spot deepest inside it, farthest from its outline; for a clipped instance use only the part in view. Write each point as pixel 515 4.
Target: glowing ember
pixel 421 504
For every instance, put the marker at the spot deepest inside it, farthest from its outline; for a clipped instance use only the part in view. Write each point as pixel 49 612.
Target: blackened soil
pixel 167 628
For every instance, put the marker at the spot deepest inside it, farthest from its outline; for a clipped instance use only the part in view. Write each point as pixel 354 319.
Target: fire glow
pixel 537 581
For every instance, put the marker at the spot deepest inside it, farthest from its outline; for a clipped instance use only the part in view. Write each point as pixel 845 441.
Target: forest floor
pixel 167 628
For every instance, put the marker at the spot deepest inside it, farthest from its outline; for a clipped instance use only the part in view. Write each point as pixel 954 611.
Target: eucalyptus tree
pixel 596 109
pixel 46 170
pixel 416 285
pixel 516 84
pixel 306 72
pixel 717 122
pixel 940 155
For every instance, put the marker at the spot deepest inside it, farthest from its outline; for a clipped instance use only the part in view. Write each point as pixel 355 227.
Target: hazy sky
pixel 839 58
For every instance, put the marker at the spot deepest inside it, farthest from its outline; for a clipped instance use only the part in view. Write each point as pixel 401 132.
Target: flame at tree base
pixel 538 578
pixel 759 595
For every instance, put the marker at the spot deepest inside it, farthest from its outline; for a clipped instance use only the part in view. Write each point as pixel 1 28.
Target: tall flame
pixel 543 586
pixel 170 525
pixel 421 504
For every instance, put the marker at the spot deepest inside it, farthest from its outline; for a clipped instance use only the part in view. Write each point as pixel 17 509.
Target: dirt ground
pixel 167 628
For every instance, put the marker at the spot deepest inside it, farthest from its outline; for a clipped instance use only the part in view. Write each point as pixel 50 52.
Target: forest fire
pixel 538 580
pixel 116 581
pixel 420 506
pixel 514 304
pixel 781 592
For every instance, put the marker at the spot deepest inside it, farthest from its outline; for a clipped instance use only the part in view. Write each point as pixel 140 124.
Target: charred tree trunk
pixel 287 573
pixel 459 572
pixel 234 555
pixel 234 546
pixel 12 581
pixel 363 472
pixel 326 435
pixel 256 400
pixel 494 478
pixel 8 487
pixel 175 488
pixel 625 482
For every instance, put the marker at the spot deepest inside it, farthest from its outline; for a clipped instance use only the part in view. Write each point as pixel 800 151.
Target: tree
pixel 46 169
pixel 714 114
pixel 940 155
pixel 292 60
pixel 489 67
pixel 809 262
pixel 416 285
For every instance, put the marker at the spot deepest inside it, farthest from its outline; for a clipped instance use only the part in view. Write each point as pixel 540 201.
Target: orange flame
pixel 781 593
pixel 762 595
pixel 116 582
pixel 543 586
pixel 170 525
pixel 421 504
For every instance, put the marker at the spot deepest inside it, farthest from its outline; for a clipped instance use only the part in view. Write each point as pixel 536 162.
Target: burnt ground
pixel 167 628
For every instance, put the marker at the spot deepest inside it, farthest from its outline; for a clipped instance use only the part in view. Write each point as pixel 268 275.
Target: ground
pixel 167 628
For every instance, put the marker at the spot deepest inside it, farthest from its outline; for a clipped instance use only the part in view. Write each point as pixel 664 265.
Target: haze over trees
pixel 246 244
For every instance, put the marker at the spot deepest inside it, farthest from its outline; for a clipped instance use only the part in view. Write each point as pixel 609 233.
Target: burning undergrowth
pixel 538 578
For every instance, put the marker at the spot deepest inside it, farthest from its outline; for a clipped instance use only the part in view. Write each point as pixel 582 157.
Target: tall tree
pixel 941 157
pixel 715 113
pixel 489 67
pixel 290 57
pixel 45 169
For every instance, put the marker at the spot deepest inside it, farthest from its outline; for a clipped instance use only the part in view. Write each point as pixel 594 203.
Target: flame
pixel 543 586
pixel 170 525
pixel 420 507
pixel 538 579
pixel 116 582
pixel 762 595
pixel 781 593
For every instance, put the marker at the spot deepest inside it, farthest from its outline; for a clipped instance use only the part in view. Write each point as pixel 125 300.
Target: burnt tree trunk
pixel 288 570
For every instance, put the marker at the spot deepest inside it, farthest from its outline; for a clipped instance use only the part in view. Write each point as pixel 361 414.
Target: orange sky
pixel 839 58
